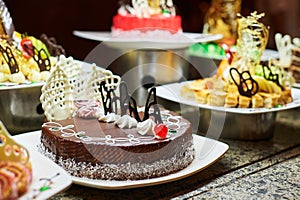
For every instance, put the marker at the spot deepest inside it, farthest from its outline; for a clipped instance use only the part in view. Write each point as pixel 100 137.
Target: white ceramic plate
pixel 46 174
pixel 296 85
pixel 9 85
pixel 184 40
pixel 172 92
pixel 208 151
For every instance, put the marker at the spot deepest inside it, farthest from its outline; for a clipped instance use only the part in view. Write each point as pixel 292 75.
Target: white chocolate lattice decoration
pixel 11 150
pixel 70 67
pixel 97 77
pixel 70 81
pixel 288 50
pixel 57 95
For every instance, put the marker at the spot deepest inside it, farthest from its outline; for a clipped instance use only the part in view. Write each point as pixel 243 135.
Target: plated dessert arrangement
pixel 94 128
pixel 241 80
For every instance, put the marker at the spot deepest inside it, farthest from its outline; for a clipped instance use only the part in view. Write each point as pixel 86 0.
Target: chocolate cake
pixel 106 135
pixel 101 150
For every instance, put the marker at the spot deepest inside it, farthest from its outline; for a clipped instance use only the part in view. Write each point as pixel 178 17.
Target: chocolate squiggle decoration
pixel 42 59
pixel 153 103
pixel 271 77
pixel 10 59
pixel 246 85
pixel 53 47
pixel 107 100
pixel 128 103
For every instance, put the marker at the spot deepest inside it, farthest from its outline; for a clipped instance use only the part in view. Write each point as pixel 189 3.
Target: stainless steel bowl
pixel 20 108
pixel 221 124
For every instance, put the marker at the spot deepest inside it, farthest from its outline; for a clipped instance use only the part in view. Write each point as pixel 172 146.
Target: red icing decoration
pixel 160 131
pixel 131 22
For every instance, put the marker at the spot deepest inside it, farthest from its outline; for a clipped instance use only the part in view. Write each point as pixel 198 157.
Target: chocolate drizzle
pixel 268 74
pixel 107 99
pixel 10 59
pixel 53 47
pixel 128 104
pixel 42 59
pixel 246 85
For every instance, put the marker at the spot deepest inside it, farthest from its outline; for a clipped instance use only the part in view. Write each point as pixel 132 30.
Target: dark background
pixel 58 18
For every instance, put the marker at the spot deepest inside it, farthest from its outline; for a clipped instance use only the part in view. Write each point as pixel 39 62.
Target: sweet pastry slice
pixel 270 99
pixel 244 102
pixel 8 185
pixel 257 101
pixel 202 96
pixel 216 98
pixel 22 174
pixel 231 100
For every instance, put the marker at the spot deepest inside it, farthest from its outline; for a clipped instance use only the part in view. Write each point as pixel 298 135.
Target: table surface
pixel 266 169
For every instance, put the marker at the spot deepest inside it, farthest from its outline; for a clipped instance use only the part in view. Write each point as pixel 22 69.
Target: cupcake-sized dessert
pixel 94 129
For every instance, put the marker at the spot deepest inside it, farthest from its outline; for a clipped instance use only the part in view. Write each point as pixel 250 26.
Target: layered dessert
pixel 15 167
pixel 144 18
pixel 93 128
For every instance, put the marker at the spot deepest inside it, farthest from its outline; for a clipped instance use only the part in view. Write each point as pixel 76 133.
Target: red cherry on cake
pixel 160 131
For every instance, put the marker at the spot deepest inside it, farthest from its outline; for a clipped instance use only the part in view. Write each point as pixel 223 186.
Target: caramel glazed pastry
pixel 217 92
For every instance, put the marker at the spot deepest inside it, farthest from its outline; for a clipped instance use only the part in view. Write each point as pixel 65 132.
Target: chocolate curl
pixel 10 59
pixel 53 48
pixel 42 59
pixel 246 85
pixel 268 74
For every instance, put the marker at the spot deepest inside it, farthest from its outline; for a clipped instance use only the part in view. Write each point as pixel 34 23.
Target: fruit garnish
pixel 160 131
pixel 27 47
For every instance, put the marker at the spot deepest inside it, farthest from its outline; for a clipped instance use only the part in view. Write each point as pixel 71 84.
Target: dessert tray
pixel 172 92
pixel 48 178
pixel 183 41
pixel 208 151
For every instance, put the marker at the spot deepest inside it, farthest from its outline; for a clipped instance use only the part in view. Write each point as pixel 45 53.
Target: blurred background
pixel 58 18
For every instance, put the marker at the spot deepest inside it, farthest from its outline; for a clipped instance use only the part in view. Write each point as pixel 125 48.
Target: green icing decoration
pixel 172 131
pixel 44 188
pixel 208 50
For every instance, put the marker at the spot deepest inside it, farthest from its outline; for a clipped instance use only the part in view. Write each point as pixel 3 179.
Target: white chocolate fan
pixel 57 96
pixel 11 150
pixel 68 82
pixel 97 77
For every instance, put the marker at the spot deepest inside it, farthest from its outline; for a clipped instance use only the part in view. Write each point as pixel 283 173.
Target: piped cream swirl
pixel 126 122
pixel 146 127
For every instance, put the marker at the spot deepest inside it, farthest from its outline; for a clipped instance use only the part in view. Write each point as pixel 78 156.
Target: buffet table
pixel 266 169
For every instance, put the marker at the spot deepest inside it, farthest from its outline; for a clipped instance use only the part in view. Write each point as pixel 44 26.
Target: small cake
pixel 98 132
pixel 146 19
pixel 15 167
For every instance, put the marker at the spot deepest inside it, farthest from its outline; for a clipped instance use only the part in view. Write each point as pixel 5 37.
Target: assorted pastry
pixel 15 167
pixel 241 80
